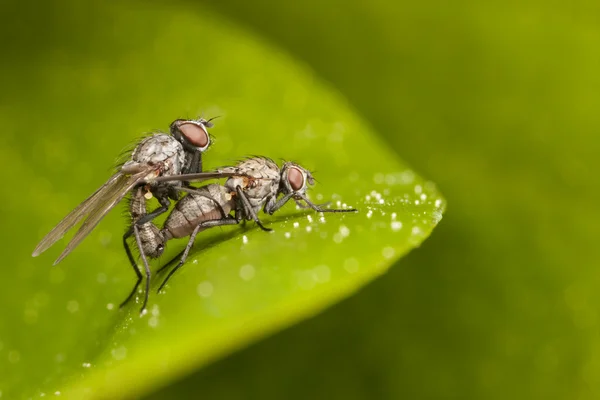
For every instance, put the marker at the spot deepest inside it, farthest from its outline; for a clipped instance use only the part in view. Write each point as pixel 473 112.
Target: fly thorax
pixel 161 150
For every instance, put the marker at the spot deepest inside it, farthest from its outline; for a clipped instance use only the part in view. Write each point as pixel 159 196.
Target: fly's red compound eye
pixel 195 134
pixel 296 178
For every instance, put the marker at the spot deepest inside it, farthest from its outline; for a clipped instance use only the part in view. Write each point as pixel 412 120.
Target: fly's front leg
pixel 248 210
pixel 272 205
pixel 319 209
pixel 200 226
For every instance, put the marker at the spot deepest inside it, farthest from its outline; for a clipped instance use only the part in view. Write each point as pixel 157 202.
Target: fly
pixel 158 155
pixel 252 184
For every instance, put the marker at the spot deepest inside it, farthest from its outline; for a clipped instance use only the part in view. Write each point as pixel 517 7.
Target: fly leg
pixel 248 210
pixel 271 206
pixel 306 206
pixel 202 225
pixel 138 240
pixel 164 207
pixel 165 203
pixel 319 209
pixel 133 265
pixel 217 205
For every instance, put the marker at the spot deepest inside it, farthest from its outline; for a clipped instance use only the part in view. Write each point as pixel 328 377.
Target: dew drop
pixel 396 226
pixel 344 231
pixel 390 179
pixel 153 322
pixel 416 231
pixel 308 228
pixel 407 177
pixel 110 306
pixel 351 265
pixel 86 365
pixel 119 353
pixel 322 273
pixel 245 239
pixel 247 272
pixel 338 237
pixel 155 310
pixel 388 252
pixel 287 235
pixel 205 289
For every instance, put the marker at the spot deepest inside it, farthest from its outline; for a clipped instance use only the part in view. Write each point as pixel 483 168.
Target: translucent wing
pixel 123 184
pixel 92 209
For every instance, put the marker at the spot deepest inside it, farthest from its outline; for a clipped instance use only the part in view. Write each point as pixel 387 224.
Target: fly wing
pixel 111 195
pixel 74 216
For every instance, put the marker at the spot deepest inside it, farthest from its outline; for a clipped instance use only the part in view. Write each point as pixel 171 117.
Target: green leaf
pixel 85 89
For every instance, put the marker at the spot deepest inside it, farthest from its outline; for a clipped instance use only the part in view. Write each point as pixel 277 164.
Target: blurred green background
pixel 497 102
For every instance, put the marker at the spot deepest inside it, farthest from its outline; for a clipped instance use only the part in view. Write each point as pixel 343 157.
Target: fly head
pixel 295 180
pixel 195 139
pixel 192 133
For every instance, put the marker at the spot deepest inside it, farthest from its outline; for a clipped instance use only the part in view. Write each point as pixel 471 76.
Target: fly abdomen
pixel 210 202
pixel 153 242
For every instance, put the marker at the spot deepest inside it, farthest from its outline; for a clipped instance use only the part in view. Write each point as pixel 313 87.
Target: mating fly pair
pixel 162 166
